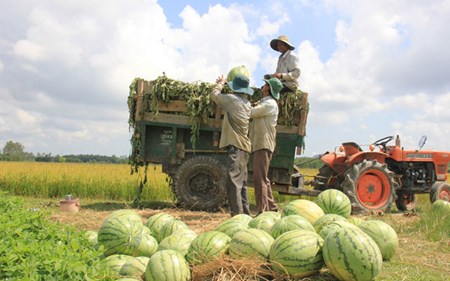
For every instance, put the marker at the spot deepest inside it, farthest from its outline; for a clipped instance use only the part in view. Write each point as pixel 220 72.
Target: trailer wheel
pixel 199 184
pixel 370 187
pixel 406 201
pixel 440 190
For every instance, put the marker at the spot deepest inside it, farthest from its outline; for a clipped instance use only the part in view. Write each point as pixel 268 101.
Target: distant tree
pixel 14 151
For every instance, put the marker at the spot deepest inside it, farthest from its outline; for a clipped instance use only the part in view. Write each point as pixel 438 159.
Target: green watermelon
pixel 231 227
pixel 297 253
pixel 441 206
pixel 144 246
pixel 305 208
pixel 179 241
pixel 171 227
pixel 167 265
pixel 207 246
pixel 332 226
pixel 288 223
pixel 333 201
pixel 125 213
pixel 264 221
pixel 384 235
pixel 91 236
pixel 250 243
pixel 355 220
pixel 156 222
pixel 241 69
pixel 351 254
pixel 135 267
pixel 241 217
pixel 326 219
pixel 115 263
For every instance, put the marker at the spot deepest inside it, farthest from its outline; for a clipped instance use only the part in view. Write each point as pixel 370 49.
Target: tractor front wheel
pixel 406 201
pixel 370 187
pixel 440 191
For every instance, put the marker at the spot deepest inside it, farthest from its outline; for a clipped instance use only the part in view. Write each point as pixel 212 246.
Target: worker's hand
pixel 221 80
pixel 267 76
pixel 277 75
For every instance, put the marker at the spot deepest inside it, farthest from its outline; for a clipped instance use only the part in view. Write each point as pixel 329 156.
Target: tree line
pixel 15 151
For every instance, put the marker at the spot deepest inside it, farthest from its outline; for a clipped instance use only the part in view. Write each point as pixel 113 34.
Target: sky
pixel 371 68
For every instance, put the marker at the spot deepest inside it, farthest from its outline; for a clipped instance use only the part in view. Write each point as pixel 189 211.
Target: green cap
pixel 275 87
pixel 240 84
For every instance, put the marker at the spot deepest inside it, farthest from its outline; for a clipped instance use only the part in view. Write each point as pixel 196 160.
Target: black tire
pixel 199 184
pixel 370 187
pixel 440 190
pixel 406 201
pixel 324 179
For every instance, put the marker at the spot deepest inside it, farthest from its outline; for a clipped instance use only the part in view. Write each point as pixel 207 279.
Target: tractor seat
pixel 351 148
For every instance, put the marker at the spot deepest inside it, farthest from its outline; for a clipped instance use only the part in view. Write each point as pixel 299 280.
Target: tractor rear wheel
pixel 370 187
pixel 406 201
pixel 199 184
pixel 440 191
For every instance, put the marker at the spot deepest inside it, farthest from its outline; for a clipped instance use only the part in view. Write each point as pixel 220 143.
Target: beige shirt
pixel 236 119
pixel 263 127
pixel 289 66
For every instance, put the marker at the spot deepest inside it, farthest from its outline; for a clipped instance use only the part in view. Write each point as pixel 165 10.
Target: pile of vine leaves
pixel 196 96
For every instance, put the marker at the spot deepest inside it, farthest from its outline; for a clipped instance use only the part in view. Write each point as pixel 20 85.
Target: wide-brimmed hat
pixel 240 84
pixel 275 87
pixel 281 38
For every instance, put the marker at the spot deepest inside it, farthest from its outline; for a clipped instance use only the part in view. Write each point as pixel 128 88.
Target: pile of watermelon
pixel 303 239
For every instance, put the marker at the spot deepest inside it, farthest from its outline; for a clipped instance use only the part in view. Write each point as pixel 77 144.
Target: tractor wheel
pixel 199 184
pixel 325 179
pixel 406 201
pixel 440 190
pixel 370 187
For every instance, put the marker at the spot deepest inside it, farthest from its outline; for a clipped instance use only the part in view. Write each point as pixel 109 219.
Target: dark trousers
pixel 237 193
pixel 263 191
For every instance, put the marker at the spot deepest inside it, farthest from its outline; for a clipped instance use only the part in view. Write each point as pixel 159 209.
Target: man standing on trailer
pixel 263 137
pixel 235 138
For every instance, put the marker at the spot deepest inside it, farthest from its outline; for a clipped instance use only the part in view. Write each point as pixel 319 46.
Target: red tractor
pixel 373 179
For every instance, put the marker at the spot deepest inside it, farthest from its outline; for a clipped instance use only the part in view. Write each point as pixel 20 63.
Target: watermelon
pixel 207 246
pixel 355 220
pixel 179 241
pixel 91 236
pixel 305 208
pixel 326 219
pixel 145 245
pixel 125 213
pixel 383 234
pixel 351 254
pixel 120 235
pixel 333 201
pixel 231 227
pixel 441 206
pixel 242 218
pixel 115 263
pixel 264 221
pixel 156 222
pixel 167 265
pixel 297 253
pixel 135 267
pixel 250 243
pixel 171 227
pixel 292 222
pixel 332 226
pixel 237 70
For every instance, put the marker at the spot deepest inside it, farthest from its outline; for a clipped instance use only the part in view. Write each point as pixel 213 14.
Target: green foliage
pixel 15 151
pixel 434 223
pixel 308 162
pixel 32 248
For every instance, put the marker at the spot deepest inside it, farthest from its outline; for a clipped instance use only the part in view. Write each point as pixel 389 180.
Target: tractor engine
pixel 414 175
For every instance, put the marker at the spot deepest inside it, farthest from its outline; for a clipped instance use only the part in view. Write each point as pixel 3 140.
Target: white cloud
pixel 1 66
pixel 268 28
pixel 29 50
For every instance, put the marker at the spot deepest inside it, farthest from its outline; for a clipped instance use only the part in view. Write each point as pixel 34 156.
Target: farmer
pixel 235 138
pixel 262 136
pixel 288 69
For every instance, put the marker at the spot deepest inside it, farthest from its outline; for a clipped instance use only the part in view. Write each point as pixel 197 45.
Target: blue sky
pixel 371 68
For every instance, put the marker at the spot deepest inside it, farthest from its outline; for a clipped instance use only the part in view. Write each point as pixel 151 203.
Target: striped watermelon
pixel 297 253
pixel 125 213
pixel 167 265
pixel 171 227
pixel 305 208
pixel 384 235
pixel 91 236
pixel 350 254
pixel 207 246
pixel 156 222
pixel 332 226
pixel 241 217
pixel 250 243
pixel 144 246
pixel 179 241
pixel 264 221
pixel 440 206
pixel 326 219
pixel 135 267
pixel 333 201
pixel 355 220
pixel 120 235
pixel 231 227
pixel 288 223
pixel 115 262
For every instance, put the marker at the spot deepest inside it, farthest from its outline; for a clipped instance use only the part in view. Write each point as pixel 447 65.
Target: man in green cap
pixel 234 138
pixel 263 137
pixel 288 69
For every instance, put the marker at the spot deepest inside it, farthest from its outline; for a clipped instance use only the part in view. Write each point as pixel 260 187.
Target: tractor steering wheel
pixel 383 141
